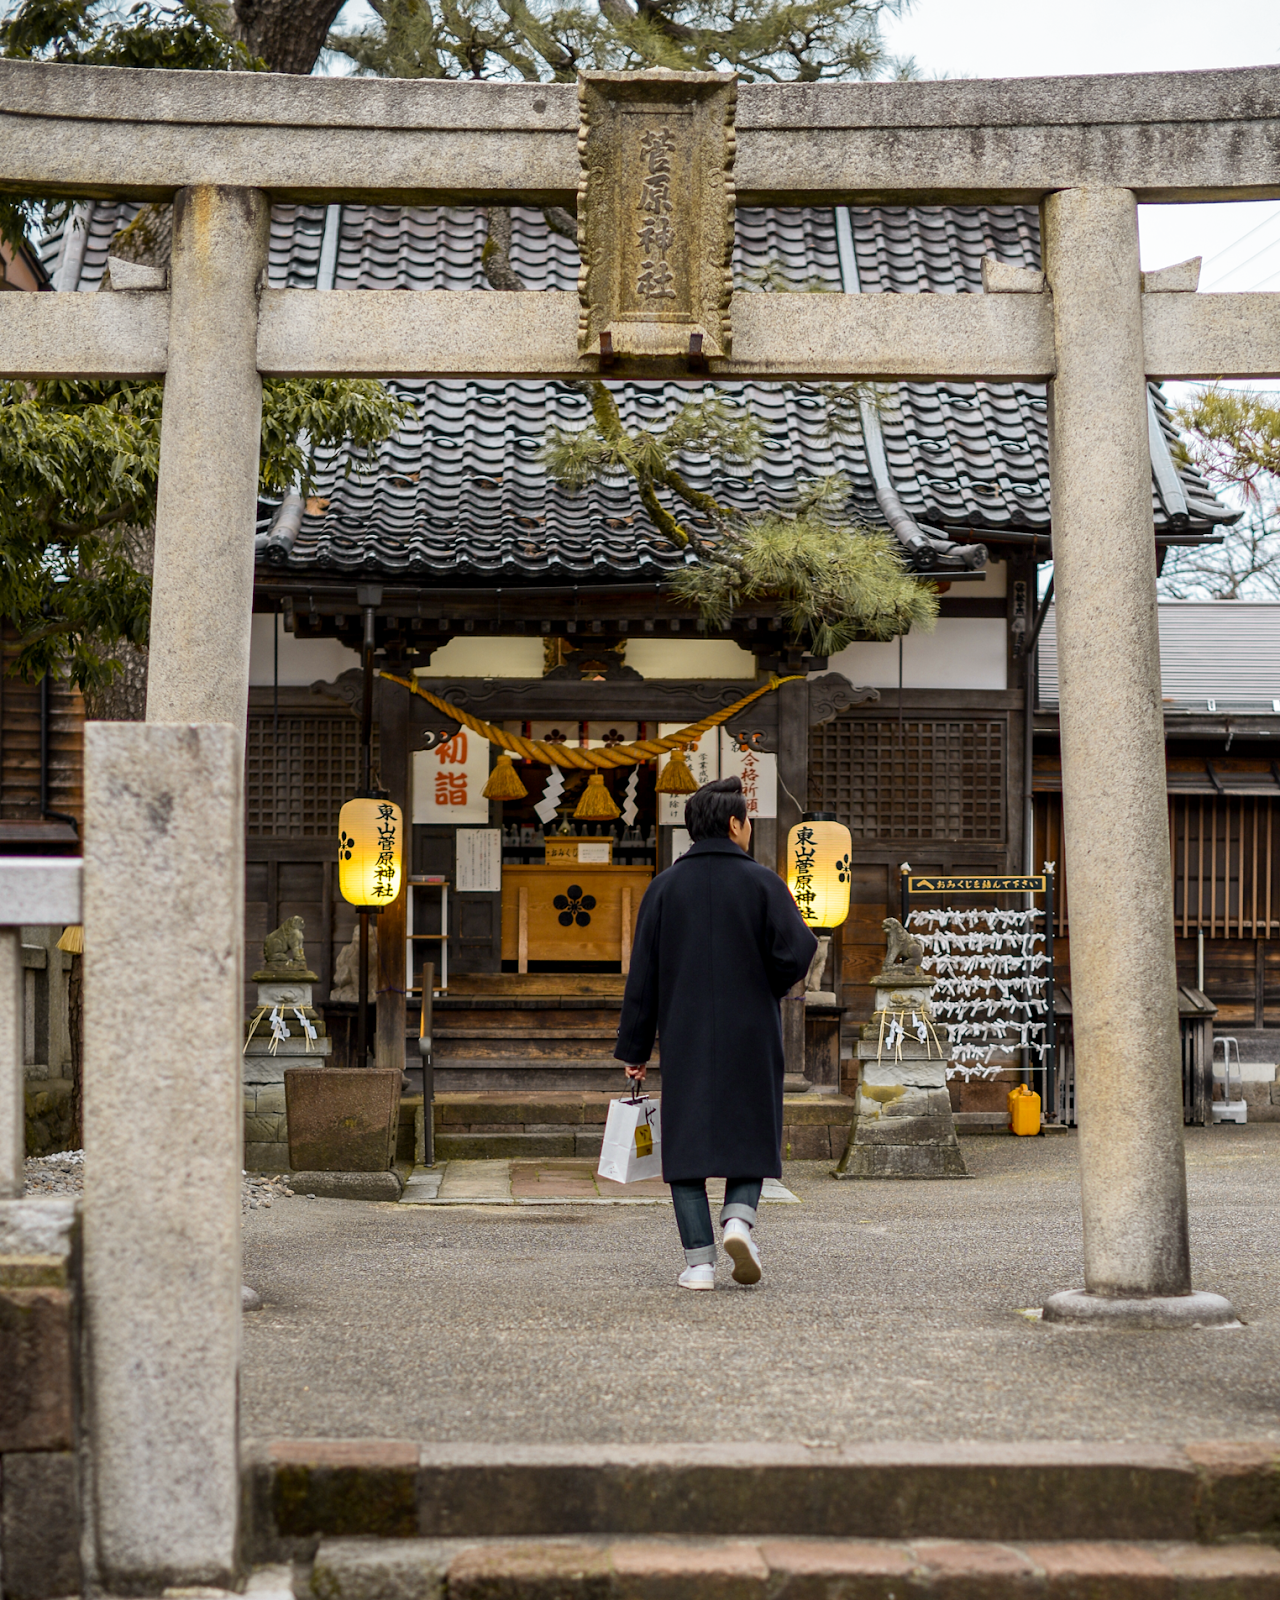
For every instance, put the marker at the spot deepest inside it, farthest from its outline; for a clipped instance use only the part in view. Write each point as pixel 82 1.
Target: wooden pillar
pixel 393 739
pixel 793 763
pixel 793 790
pixel 1259 983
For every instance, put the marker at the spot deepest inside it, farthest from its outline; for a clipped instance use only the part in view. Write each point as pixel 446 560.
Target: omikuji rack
pixel 1034 884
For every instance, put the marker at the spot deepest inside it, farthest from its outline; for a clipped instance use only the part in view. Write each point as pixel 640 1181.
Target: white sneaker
pixel 740 1247
pixel 703 1276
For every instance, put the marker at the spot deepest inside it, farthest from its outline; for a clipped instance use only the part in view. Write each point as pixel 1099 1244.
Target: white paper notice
pixel 680 842
pixel 448 782
pixel 593 852
pixel 479 861
pixel 704 763
pixel 758 771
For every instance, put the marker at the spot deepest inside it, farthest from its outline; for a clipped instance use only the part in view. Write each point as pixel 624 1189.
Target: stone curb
pixel 347 1185
pixel 789 1569
pixel 297 1491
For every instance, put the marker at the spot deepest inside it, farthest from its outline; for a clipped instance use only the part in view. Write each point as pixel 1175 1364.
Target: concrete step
pixel 762 1568
pixel 1210 1496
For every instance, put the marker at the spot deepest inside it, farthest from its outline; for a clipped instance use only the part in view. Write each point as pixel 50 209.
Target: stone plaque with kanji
pixel 656 213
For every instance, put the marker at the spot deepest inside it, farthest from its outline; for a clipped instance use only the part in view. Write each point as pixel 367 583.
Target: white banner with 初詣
pixel 448 782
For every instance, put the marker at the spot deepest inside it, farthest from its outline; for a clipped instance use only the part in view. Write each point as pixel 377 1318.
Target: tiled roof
pixel 459 494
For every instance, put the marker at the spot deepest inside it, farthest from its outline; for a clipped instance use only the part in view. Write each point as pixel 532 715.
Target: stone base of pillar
pixel 902 1124
pixel 1084 1310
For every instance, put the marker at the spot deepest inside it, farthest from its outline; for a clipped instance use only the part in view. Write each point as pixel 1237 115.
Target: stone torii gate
pixel 163 876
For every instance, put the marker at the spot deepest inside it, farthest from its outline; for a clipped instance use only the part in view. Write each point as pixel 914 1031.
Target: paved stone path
pixel 549 1182
pixel 888 1311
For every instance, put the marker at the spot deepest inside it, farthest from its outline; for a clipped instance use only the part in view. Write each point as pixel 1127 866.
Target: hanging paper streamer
pixel 545 810
pixel 992 988
pixel 630 810
pixel 279 1029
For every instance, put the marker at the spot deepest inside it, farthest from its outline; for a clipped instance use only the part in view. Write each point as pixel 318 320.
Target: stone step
pixel 763 1568
pixel 1209 1495
pixel 489 1127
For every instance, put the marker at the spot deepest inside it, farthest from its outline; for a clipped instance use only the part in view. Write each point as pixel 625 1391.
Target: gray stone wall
pixel 39 1316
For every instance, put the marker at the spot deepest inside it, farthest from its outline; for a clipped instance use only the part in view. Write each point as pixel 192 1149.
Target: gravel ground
pixel 63 1173
pixel 888 1311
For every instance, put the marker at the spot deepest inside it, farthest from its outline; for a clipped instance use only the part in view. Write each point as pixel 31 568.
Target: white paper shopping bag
pixel 632 1147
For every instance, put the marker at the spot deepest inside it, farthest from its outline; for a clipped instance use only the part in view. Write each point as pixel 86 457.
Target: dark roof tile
pixel 460 492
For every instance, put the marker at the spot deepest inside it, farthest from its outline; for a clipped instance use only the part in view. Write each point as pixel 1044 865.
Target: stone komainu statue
pixel 284 947
pixel 904 949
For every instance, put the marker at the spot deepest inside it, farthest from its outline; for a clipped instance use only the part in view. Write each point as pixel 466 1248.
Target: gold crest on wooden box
pixel 656 214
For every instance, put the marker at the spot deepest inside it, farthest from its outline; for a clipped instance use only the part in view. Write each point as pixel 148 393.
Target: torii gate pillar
pixel 1123 970
pixel 202 602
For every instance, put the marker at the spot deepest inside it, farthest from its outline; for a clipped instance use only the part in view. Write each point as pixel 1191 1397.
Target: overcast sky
pixel 1018 39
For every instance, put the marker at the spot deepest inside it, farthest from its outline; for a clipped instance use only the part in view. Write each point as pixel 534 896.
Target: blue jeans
pixel 693 1214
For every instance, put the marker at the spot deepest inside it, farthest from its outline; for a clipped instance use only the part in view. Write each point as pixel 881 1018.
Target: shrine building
pixel 545 612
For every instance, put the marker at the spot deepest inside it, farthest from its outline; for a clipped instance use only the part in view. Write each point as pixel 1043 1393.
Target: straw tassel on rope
pixel 504 782
pixel 675 777
pixel 597 803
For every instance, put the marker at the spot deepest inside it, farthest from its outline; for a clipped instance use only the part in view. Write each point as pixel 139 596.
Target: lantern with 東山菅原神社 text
pixel 370 848
pixel 818 872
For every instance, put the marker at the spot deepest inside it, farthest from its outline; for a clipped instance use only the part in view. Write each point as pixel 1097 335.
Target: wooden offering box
pixel 570 911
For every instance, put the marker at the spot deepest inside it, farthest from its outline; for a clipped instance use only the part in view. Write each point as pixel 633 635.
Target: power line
pixel 1266 249
pixel 1265 223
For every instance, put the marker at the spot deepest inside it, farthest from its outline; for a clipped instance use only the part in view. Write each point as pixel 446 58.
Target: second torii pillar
pixel 1137 1265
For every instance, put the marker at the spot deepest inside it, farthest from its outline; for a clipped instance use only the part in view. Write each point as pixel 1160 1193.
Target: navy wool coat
pixel 718 942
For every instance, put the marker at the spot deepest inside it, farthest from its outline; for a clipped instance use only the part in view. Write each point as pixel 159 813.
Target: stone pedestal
pixel 285 992
pixel 902 1123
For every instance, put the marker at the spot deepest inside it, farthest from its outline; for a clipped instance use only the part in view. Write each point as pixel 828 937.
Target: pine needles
pixel 832 578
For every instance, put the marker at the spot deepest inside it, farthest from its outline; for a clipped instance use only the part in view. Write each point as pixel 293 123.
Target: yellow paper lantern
pixel 370 847
pixel 818 872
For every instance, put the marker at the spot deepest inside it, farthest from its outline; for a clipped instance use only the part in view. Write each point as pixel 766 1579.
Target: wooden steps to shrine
pixel 535 1032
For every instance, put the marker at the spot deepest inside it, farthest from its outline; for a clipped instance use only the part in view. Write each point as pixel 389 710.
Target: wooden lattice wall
pixel 298 773
pixel 930 779
pixel 1225 855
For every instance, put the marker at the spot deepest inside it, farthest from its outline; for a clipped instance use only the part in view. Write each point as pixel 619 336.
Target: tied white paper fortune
pixel 545 810
pixel 630 810
pixel 991 983
pixel 279 1028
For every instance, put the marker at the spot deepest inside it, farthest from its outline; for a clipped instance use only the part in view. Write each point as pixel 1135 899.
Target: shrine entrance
pixel 163 871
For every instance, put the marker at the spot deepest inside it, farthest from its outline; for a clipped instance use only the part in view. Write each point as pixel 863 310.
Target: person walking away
pixel 718 942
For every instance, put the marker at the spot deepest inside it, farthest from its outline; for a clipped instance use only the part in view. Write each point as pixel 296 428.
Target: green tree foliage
pixel 1233 436
pixel 782 40
pixel 98 33
pixel 80 461
pixel 80 464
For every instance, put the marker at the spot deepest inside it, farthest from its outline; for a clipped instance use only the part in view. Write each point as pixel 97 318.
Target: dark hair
pixel 707 813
